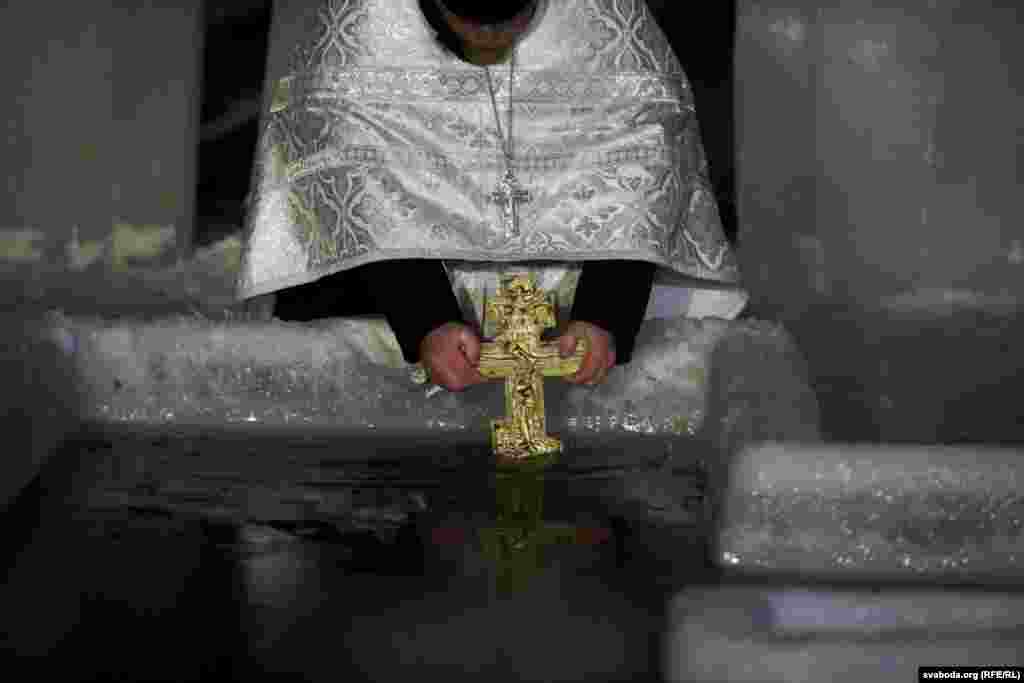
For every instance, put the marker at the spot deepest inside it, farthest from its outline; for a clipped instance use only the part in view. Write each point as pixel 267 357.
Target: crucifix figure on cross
pixel 521 312
pixel 508 195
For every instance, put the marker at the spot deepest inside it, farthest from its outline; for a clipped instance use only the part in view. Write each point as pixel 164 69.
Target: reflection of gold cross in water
pixel 521 312
pixel 520 538
pixel 508 196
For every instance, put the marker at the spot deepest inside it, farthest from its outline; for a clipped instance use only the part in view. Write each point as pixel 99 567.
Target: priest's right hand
pixel 451 356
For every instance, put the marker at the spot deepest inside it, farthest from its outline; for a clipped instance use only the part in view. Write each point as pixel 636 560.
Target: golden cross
pixel 521 312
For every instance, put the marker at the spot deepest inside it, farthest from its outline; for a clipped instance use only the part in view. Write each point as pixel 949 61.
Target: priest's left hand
pixel 600 356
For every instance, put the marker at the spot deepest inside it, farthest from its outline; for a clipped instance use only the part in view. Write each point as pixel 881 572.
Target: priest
pixel 414 151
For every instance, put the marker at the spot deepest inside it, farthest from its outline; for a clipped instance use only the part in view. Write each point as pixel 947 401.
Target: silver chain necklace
pixel 509 193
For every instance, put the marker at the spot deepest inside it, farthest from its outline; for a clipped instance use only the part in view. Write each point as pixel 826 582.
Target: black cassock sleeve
pixel 613 295
pixel 416 297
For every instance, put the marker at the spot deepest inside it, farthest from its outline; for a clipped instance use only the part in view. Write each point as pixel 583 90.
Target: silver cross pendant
pixel 508 195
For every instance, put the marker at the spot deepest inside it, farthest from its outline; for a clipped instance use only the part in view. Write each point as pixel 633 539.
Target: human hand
pixel 451 356
pixel 600 356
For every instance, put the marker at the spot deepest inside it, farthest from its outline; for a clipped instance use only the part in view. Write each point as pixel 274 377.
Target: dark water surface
pixel 140 594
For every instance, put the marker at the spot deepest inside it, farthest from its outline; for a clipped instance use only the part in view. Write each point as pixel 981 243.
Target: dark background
pixel 233 69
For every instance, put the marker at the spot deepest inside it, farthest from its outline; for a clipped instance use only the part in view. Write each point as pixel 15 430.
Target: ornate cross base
pixel 517 355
